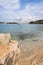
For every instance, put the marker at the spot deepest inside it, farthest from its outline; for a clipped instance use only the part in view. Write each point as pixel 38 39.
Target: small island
pixel 11 23
pixel 1 22
pixel 8 23
pixel 36 22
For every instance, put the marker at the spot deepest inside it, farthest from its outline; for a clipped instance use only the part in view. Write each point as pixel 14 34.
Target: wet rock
pixel 37 59
pixel 23 36
pixel 5 38
pixel 9 50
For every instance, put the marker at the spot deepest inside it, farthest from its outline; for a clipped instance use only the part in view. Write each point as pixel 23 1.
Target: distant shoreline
pixel 36 22
pixel 8 23
pixel 31 22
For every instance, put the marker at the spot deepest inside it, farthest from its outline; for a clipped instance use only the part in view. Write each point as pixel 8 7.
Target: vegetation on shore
pixel 8 23
pixel 36 22
pixel 1 22
pixel 31 22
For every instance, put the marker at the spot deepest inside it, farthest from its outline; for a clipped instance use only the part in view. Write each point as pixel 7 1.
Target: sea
pixel 22 31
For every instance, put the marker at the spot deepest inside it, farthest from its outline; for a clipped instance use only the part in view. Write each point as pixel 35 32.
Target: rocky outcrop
pixel 9 50
pixel 37 59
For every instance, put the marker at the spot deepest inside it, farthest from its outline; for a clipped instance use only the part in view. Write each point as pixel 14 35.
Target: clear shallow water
pixel 22 31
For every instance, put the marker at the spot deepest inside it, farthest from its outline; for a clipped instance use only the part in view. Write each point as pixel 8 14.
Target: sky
pixel 21 10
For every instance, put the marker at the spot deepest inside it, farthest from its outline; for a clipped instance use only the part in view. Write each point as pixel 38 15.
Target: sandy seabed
pixel 31 51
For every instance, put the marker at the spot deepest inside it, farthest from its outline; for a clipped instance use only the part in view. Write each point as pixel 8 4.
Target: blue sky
pixel 24 10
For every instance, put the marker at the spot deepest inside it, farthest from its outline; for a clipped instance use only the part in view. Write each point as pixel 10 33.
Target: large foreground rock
pixel 9 50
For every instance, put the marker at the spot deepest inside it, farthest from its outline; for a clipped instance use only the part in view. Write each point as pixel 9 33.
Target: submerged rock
pixel 26 36
pixel 5 38
pixel 9 50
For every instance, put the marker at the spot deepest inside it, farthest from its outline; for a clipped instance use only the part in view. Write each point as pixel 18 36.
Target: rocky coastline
pixel 9 50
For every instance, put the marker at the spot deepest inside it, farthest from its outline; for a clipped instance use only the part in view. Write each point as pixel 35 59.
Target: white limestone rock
pixel 5 38
pixel 9 50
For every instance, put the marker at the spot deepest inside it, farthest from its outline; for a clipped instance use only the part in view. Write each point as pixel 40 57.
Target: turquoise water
pixel 22 31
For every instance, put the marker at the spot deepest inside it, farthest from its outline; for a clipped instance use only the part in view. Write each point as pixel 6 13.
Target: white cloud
pixel 41 12
pixel 31 12
pixel 10 4
pixel 9 13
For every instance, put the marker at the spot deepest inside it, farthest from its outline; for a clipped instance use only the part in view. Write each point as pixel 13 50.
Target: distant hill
pixel 8 23
pixel 1 22
pixel 31 22
pixel 11 23
pixel 36 22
